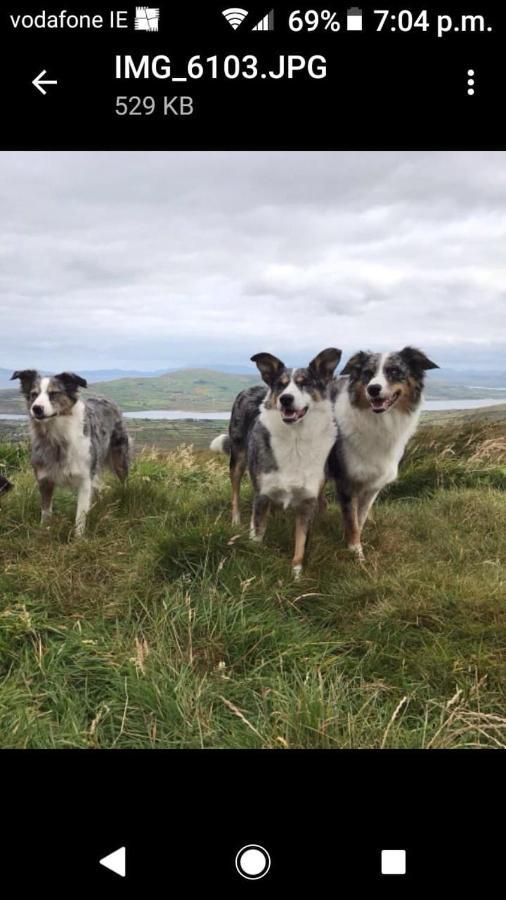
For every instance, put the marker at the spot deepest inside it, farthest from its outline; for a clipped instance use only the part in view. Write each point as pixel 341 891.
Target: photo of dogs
pixel 333 577
pixel 378 402
pixel 73 439
pixel 283 434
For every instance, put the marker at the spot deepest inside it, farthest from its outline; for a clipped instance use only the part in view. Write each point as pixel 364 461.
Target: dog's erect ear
pixel 354 363
pixel 269 366
pixel 26 377
pixel 417 359
pixel 71 381
pixel 324 365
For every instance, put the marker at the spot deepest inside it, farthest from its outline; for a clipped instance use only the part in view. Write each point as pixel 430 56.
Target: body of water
pixel 175 414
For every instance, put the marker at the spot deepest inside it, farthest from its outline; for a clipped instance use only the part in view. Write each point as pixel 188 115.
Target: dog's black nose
pixel 286 400
pixel 374 390
pixel 38 411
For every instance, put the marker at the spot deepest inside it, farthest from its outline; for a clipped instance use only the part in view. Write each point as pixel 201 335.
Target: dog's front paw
pixel 358 551
pixel 297 572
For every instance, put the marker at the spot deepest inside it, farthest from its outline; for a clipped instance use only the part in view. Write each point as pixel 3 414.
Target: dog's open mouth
pixel 42 417
pixel 381 404
pixel 293 415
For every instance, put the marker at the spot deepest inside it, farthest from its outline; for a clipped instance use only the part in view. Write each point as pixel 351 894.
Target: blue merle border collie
pixel 73 439
pixel 378 402
pixel 283 433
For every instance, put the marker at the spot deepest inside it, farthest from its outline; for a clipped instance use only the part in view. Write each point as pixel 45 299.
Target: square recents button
pixel 393 862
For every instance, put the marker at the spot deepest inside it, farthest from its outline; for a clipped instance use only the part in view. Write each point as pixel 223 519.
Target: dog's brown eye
pixel 368 373
pixel 54 394
pixel 33 394
pixel 394 373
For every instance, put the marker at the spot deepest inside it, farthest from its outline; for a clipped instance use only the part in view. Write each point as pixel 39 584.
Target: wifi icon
pixel 234 16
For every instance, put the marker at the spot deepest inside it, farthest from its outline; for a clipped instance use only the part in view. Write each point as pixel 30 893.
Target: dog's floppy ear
pixel 417 359
pixel 269 366
pixel 71 381
pixel 323 365
pixel 26 377
pixel 354 363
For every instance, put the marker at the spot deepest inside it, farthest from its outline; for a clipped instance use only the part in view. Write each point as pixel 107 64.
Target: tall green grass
pixel 166 627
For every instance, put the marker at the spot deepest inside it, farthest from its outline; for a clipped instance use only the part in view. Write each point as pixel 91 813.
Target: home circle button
pixel 252 862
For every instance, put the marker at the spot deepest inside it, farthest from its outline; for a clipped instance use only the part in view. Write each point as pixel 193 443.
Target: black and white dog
pixel 72 439
pixel 284 434
pixel 377 406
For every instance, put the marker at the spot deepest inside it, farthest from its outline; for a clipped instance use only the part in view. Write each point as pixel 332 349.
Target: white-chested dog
pixel 73 439
pixel 283 434
pixel 378 405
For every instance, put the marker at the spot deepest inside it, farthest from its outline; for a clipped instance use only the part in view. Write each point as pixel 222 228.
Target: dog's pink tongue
pixel 379 404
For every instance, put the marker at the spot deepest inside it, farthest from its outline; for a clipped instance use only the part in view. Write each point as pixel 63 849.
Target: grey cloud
pixel 142 260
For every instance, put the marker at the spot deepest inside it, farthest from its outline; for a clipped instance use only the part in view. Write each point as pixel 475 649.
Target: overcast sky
pixel 147 260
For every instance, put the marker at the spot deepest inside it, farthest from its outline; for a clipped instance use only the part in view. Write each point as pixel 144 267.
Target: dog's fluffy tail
pixel 221 444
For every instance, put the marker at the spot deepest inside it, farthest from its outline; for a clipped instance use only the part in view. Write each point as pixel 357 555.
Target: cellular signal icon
pixel 265 24
pixel 234 16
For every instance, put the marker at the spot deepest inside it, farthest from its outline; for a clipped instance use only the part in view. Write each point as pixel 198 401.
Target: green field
pixel 146 433
pixel 165 627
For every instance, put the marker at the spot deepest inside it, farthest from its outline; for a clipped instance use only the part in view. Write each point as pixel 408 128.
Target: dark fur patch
pixel 5 485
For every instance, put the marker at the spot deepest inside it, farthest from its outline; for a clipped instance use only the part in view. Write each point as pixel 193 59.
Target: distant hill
pixel 212 390
pixel 187 389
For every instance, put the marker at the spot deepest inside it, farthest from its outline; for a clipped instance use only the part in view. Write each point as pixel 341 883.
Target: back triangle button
pixel 115 861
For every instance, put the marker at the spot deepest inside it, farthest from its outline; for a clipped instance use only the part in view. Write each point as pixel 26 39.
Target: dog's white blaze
pixel 373 445
pixel 300 398
pixel 379 376
pixel 300 451
pixel 43 398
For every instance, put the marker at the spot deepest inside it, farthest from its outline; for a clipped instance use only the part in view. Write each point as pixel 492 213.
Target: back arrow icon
pixel 37 82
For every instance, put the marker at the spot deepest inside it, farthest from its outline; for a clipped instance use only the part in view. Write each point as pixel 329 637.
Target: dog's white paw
pixel 297 572
pixel 257 538
pixel 358 551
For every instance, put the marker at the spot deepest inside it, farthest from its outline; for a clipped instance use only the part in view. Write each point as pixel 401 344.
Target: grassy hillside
pixel 165 627
pixel 188 389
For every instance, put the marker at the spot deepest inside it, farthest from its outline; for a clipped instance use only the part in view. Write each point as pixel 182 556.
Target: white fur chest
pixel 63 450
pixel 373 443
pixel 300 451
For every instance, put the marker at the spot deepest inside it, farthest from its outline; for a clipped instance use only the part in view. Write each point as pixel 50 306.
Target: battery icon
pixel 354 19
